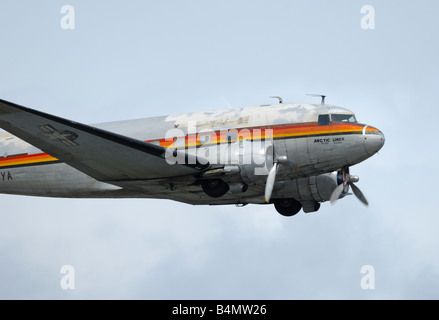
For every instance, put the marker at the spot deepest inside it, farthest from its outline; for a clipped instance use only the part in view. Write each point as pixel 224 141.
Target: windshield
pixel 337 117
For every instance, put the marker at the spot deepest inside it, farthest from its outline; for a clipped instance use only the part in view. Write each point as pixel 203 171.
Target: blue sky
pixel 136 59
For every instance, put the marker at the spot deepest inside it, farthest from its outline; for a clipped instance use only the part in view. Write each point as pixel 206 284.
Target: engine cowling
pixel 256 164
pixel 309 191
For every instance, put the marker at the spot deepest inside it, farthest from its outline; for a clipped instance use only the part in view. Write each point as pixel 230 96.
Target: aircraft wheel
pixel 287 207
pixel 215 188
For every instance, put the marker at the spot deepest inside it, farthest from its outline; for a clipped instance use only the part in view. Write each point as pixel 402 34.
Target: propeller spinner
pixel 348 181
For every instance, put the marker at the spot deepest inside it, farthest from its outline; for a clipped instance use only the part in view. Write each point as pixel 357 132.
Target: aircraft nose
pixel 373 139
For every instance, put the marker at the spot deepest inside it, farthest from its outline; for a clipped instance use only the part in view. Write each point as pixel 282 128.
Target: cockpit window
pixel 324 120
pixel 336 117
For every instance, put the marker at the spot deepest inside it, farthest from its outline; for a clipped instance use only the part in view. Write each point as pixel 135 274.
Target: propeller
pixel 269 185
pixel 348 181
pixel 271 178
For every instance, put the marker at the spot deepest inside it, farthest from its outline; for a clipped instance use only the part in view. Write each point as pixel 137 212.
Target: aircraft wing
pixel 101 154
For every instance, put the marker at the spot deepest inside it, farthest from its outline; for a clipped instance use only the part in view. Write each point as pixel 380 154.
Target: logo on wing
pixel 65 137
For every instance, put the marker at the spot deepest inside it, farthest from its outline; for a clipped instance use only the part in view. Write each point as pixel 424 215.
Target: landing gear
pixel 287 207
pixel 215 188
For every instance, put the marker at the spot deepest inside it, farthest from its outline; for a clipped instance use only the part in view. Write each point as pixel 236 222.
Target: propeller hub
pixel 282 159
pixel 353 178
pixel 348 181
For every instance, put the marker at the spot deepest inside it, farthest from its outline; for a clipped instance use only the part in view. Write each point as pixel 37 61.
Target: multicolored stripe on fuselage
pixel 277 132
pixel 23 160
pixel 302 130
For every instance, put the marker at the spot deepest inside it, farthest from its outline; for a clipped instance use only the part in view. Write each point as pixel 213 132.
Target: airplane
pixel 292 155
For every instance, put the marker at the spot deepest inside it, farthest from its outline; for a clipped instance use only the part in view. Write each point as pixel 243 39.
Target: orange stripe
pixel 29 159
pixel 303 129
pixel 220 137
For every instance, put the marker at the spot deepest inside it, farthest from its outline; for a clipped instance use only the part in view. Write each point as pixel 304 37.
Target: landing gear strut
pixel 287 207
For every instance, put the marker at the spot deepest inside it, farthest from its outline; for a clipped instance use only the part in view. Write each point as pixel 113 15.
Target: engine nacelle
pixel 251 159
pixel 256 164
pixel 309 191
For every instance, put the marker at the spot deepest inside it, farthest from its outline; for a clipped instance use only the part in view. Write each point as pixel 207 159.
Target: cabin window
pixel 348 118
pixel 231 136
pixel 179 142
pixel 205 139
pixel 324 120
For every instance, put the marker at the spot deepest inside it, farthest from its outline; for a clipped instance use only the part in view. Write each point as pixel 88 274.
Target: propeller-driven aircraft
pixel 294 156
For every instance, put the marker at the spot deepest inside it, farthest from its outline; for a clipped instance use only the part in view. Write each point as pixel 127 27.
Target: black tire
pixel 215 188
pixel 287 207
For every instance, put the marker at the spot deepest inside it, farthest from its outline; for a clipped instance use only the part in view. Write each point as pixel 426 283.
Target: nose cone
pixel 373 139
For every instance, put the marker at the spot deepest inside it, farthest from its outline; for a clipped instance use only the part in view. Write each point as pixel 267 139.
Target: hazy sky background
pixel 134 59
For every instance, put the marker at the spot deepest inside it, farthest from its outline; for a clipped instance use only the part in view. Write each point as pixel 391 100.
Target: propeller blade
pixel 359 194
pixel 270 182
pixel 335 195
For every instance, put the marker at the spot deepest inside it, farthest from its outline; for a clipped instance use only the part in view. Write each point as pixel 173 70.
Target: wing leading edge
pixel 103 155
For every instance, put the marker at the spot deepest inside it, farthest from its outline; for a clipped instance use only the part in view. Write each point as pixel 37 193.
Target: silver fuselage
pixel 232 140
